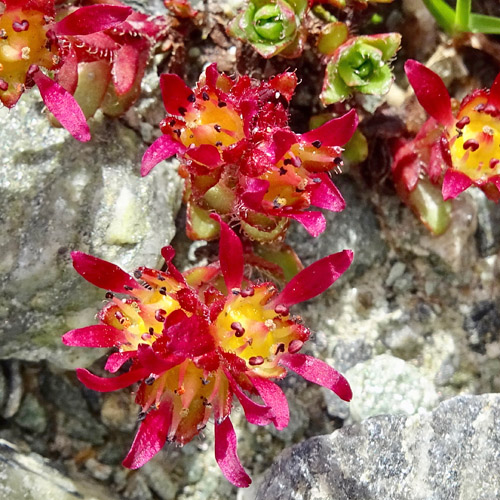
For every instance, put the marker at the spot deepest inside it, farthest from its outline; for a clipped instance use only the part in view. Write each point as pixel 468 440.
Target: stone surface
pixel 450 453
pixel 356 228
pixel 60 195
pixel 28 476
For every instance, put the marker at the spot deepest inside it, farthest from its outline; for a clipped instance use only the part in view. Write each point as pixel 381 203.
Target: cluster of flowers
pixel 458 147
pixel 195 340
pixel 241 159
pixel 80 58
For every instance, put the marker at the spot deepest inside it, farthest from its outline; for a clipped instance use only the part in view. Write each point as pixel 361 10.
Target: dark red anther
pixel 221 104
pixel 283 171
pixel 281 310
pixel 163 291
pixel 137 274
pixel 295 346
pixel 471 144
pixel 462 122
pixel 217 128
pixel 316 144
pixel 20 26
pixel 141 416
pixel 205 96
pixel 238 328
pixel 191 98
pixel 151 330
pixel 128 288
pixel 256 360
pixel 3 34
pixel 479 107
pixel 182 111
pixel 280 348
pixel 150 380
pixel 109 295
pixel 119 316
pixel 338 161
pixel 160 315
pixel 248 292
pixel 218 144
pixel 494 162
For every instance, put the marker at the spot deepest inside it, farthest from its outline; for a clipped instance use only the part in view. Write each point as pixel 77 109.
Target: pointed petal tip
pixel 454 183
pixel 162 148
pixel 431 91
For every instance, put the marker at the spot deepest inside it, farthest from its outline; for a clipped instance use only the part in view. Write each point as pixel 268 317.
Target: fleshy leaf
pixel 314 279
pixel 317 371
pixel 335 132
pixel 101 384
pixel 102 273
pixel 230 255
pixel 454 183
pixel 430 91
pixel 226 454
pixel 95 336
pixel 63 106
pixel 162 148
pixel 91 19
pixel 150 437
pixel 275 398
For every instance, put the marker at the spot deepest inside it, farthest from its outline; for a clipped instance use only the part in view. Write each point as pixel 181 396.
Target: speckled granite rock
pixel 450 453
pixel 26 476
pixel 60 195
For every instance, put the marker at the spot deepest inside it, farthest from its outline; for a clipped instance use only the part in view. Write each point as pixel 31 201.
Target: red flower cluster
pixel 240 158
pixel 199 338
pixel 453 150
pixel 105 39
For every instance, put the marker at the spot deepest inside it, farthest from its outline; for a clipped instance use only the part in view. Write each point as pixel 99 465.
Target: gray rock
pixel 386 384
pixel 446 454
pixel 354 228
pixel 60 195
pixel 31 415
pixel 27 476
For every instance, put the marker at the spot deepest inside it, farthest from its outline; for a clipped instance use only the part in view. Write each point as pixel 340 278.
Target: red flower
pixel 30 39
pixel 199 338
pixel 454 150
pixel 240 158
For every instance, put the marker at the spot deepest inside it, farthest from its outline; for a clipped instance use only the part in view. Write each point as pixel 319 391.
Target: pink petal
pixel 430 91
pixel 95 336
pixel 189 337
pixel 335 132
pixel 230 255
pixel 254 191
pixel 314 279
pixel 150 437
pixel 326 195
pixel 125 68
pixel 102 273
pixel 206 155
pixel 313 222
pixel 494 97
pixel 283 140
pixel 319 372
pixel 168 253
pixel 101 384
pixel 454 182
pixel 67 75
pixel 212 75
pixel 162 148
pixel 226 455
pixel 116 360
pixel 47 7
pixel 175 93
pixel 255 413
pixel 90 19
pixel 63 106
pixel 148 358
pixel 275 398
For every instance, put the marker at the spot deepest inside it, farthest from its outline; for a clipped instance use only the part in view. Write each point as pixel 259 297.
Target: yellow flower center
pixel 23 42
pixel 475 150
